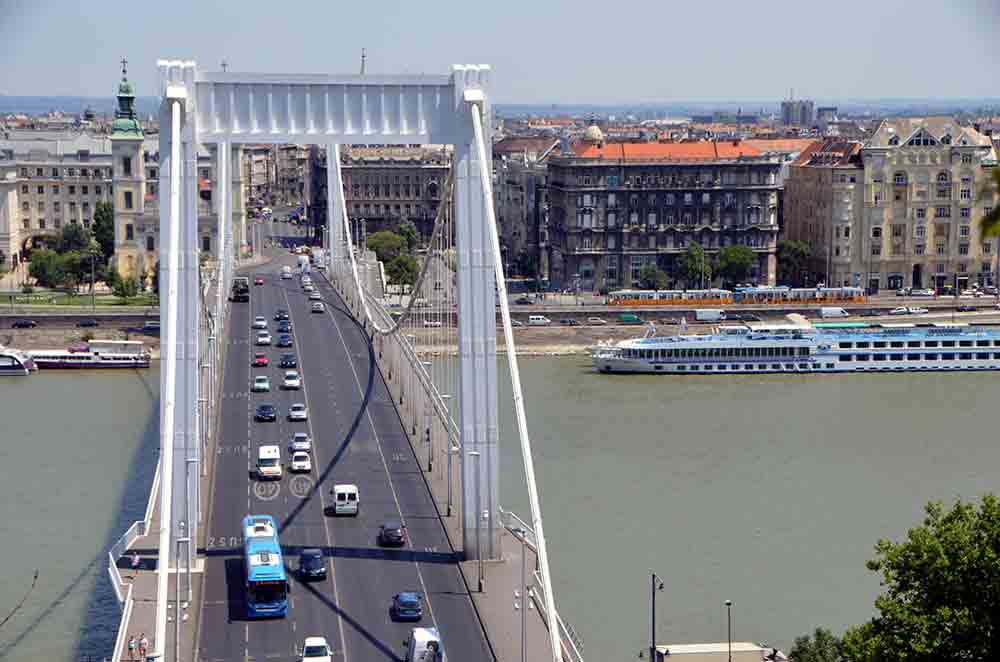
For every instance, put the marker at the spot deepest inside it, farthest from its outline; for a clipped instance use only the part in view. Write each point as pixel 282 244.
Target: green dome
pixel 125 89
pixel 125 127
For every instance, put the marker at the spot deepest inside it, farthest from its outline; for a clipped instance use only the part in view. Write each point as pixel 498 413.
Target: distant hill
pixel 72 105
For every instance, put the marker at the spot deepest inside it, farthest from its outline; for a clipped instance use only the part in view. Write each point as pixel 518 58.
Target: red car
pixel 260 360
pixel 258 280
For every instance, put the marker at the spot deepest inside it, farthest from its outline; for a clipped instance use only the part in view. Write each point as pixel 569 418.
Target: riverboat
pixel 15 363
pixel 94 354
pixel 803 348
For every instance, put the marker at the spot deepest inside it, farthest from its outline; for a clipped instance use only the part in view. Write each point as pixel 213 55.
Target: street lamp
pixel 93 248
pixel 522 534
pixel 655 584
pixel 479 528
pixel 729 627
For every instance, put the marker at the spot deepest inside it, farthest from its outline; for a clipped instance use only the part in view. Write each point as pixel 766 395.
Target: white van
pixel 538 320
pixel 827 312
pixel 345 500
pixel 269 462
pixel 424 645
pixel 709 315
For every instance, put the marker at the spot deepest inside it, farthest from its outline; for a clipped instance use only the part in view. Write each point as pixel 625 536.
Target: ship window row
pixel 715 352
pixel 755 367
pixel 944 356
pixel 899 344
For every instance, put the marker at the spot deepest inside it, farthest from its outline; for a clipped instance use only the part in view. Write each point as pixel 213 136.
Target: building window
pixel 24 189
pixel 41 190
pixel 943 178
pixel 41 206
pixel 987 247
pixel 25 224
pixel 967 159
pixel 921 212
pixel 987 211
pixel 943 193
pixel 878 199
pixel 612 241
pixel 41 224
pixel 55 190
pixel 985 267
pixel 920 231
pixel 942 212
pixel 963 249
pixel 899 178
pixel 39 172
pixel 897 230
pixel 612 219
pixel 965 212
pixel 876 250
pixel 56 206
pixel 24 172
pixel 85 190
pixel 129 232
pixel 86 206
pixel 57 223
pixel 963 231
pixel 939 268
pixel 876 232
pixel 965 194
pixel 97 190
pixel 961 267
pixel 206 244
pixel 128 199
pixel 150 243
pixel 152 173
pixel 918 249
pixel 25 206
pixel 940 249
pixel 127 166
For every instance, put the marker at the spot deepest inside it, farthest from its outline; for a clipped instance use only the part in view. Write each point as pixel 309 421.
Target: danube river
pixel 769 491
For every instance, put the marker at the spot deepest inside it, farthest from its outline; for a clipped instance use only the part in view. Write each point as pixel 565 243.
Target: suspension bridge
pixel 401 392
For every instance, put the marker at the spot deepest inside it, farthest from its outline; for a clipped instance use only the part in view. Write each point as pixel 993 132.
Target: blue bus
pixel 263 568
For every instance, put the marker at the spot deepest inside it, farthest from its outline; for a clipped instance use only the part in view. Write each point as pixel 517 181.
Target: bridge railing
pixel 572 644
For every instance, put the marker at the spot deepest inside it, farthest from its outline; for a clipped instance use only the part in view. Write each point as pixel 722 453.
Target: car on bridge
pixel 259 322
pixel 259 280
pixel 284 326
pixel 315 649
pixel 391 534
pixel 292 380
pixel 280 315
pixel 88 323
pixel 300 442
pixel 298 412
pixel 284 340
pixel 406 607
pixel 260 360
pixel 315 296
pixel 24 324
pixel 301 462
pixel 268 413
pixel 318 307
pixel 308 287
pixel 289 361
pixel 261 384
pixel 966 309
pixel 263 338
pixel 311 564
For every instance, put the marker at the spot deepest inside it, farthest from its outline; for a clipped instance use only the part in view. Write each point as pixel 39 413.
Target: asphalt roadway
pixel 357 438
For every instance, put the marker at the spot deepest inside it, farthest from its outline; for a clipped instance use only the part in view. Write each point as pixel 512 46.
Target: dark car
pixel 523 301
pixel 311 565
pixel 870 312
pixel 260 360
pixel 569 322
pixel 284 326
pixel 747 317
pixel 266 413
pixel 289 361
pixel 406 607
pixel 24 324
pixel 391 534
pixel 89 323
pixel 281 315
pixel 284 340
pixel 966 309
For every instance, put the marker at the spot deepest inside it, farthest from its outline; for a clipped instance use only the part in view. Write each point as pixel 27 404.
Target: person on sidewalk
pixel 131 647
pixel 143 646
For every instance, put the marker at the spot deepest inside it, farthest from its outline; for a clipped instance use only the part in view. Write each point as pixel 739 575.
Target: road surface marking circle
pixel 300 486
pixel 267 491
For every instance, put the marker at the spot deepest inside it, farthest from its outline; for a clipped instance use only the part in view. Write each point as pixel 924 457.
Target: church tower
pixel 128 180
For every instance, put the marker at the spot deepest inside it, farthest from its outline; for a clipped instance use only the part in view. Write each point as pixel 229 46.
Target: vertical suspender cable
pixel 515 378
pixel 169 381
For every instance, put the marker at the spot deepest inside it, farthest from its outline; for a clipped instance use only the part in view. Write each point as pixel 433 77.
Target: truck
pixel 303 264
pixel 709 315
pixel 826 312
pixel 240 291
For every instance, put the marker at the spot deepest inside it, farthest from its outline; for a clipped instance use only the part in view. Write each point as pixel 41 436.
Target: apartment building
pixel 617 207
pixel 519 168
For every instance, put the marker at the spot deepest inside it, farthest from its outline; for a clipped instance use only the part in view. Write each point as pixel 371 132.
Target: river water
pixel 768 490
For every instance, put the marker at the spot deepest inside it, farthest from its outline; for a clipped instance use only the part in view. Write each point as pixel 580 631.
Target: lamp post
pixel 427 419
pixel 479 527
pixel 93 248
pixel 729 627
pixel 521 533
pixel 655 584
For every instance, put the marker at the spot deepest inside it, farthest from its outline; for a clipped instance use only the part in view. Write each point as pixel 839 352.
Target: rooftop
pixel 900 130
pixel 666 151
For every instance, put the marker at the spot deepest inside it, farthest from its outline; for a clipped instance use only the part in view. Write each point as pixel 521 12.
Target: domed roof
pixel 125 89
pixel 593 134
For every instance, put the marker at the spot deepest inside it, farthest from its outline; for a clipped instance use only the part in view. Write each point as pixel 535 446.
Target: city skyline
pixel 541 54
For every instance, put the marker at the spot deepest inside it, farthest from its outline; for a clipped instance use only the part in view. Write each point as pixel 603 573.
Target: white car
pixel 315 649
pixel 918 311
pixel 596 320
pixel 432 324
pixel 261 384
pixel 301 461
pixel 292 380
pixel 260 322
pixel 318 307
pixel 902 310
pixel 298 412
pixel 286 275
pixel 315 296
pixel 300 442
pixel 308 287
pixel 263 338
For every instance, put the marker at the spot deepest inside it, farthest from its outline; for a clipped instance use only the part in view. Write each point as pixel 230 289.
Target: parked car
pixel 24 324
pixel 966 309
pixel 870 312
pixel 596 320
pixel 902 310
pixel 391 534
pixel 88 323
pixel 523 301
pixel 918 311
pixel 569 322
pixel 922 293
pixel 151 327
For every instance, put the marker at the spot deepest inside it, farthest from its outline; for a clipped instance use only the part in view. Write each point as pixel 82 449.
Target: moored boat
pixel 95 354
pixel 14 362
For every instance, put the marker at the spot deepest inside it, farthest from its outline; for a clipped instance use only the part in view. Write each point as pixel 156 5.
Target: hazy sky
pixel 541 50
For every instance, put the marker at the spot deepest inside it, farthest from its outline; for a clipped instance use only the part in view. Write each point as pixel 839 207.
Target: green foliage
pixel 124 288
pixel 822 646
pixel 989 225
pixel 526 264
pixel 403 270
pixel 104 228
pixel 693 267
pixel 154 279
pixel 387 245
pixel 408 231
pixel 27 288
pixel 73 237
pixel 48 268
pixel 734 263
pixel 652 278
pixel 793 257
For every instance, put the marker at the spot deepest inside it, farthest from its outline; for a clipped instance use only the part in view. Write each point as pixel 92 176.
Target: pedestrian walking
pixel 143 646
pixel 131 647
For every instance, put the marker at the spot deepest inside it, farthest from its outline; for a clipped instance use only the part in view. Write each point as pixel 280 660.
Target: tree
pixel 154 279
pixel 734 263
pixel 989 225
pixel 651 278
pixel 942 584
pixel 104 228
pixel 403 270
pixel 694 268
pixel 47 267
pixel 387 245
pixel 73 237
pixel 793 257
pixel 823 646
pixel 526 264
pixel 408 231
pixel 124 288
